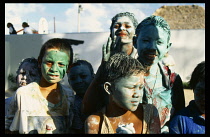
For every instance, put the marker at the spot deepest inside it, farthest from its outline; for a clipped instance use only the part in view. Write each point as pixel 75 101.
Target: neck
pixel 46 86
pixel 113 110
pixel 127 48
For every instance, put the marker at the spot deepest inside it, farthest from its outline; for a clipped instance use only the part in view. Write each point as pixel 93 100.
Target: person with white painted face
pixel 122 31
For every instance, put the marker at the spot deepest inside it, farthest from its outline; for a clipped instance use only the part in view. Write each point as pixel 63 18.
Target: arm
pixel 94 94
pixel 20 30
pixel 178 99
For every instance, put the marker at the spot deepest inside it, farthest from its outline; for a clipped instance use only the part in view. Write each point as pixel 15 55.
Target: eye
pixel 127 26
pixel 145 40
pixel 116 26
pixel 83 76
pixel 72 78
pixel 61 64
pixel 49 63
pixel 159 42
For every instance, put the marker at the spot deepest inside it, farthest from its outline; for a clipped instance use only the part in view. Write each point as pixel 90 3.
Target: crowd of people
pixel 135 90
pixel 26 29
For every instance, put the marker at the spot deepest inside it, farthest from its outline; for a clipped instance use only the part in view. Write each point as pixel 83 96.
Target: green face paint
pixel 152 44
pixel 54 65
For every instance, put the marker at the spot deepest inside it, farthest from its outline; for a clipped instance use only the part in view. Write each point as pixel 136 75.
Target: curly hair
pixel 198 74
pixel 121 65
pixel 127 14
pixel 157 21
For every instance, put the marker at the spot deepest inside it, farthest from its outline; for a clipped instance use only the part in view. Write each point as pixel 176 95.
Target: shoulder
pixel 27 89
pixel 92 124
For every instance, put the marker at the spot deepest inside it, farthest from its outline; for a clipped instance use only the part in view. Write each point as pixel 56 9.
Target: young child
pixel 44 107
pixel 27 72
pixel 124 82
pixel 80 76
pixel 191 119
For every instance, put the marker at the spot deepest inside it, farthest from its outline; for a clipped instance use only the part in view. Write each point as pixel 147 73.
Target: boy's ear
pixel 107 87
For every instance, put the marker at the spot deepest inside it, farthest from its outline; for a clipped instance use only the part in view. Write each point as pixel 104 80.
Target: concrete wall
pixel 188 49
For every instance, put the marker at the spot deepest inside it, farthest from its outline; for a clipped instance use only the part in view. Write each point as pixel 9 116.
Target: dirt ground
pixel 187 92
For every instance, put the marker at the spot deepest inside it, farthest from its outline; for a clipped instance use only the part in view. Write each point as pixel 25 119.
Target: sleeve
pixel 178 99
pixel 176 125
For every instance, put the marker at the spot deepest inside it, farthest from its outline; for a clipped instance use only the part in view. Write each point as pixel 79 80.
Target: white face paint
pixel 27 73
pixel 124 28
pixel 127 92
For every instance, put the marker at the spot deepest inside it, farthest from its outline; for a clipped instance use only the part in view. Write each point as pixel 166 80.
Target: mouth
pixel 53 76
pixel 135 103
pixel 150 56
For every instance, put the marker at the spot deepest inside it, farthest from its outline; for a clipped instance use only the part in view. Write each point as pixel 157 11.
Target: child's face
pixel 54 65
pixel 152 44
pixel 124 28
pixel 79 78
pixel 27 73
pixel 128 91
pixel 199 95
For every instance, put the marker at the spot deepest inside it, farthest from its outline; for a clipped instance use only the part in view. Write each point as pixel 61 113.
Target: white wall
pixel 188 49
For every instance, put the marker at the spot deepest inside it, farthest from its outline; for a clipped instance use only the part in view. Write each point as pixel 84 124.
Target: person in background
pixel 45 107
pixel 26 28
pixel 11 28
pixel 191 119
pixel 80 76
pixel 26 73
pixel 122 31
pixel 124 114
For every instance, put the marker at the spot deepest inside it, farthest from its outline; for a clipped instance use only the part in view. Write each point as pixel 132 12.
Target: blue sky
pixel 95 17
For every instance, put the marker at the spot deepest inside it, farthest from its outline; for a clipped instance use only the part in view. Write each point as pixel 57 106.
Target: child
pixel 44 107
pixel 27 72
pixel 124 82
pixel 191 119
pixel 80 76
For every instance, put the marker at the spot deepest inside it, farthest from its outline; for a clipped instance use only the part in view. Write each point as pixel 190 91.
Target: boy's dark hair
pixel 127 14
pixel 57 43
pixel 154 20
pixel 25 24
pixel 198 74
pixel 83 62
pixel 121 65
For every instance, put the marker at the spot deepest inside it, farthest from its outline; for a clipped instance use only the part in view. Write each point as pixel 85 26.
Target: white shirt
pixel 27 30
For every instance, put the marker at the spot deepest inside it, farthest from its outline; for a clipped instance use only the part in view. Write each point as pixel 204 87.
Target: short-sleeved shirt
pixel 188 121
pixel 30 113
pixel 27 30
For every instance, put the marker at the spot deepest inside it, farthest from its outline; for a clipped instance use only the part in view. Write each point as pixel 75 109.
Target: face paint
pixel 124 28
pixel 152 44
pixel 199 95
pixel 128 91
pixel 54 65
pixel 27 73
pixel 80 78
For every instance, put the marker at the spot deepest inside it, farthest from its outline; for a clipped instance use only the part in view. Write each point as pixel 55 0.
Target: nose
pixel 54 68
pixel 122 27
pixel 23 77
pixel 136 94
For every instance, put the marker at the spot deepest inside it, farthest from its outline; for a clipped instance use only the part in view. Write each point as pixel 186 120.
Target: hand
pixel 110 48
pixel 125 129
